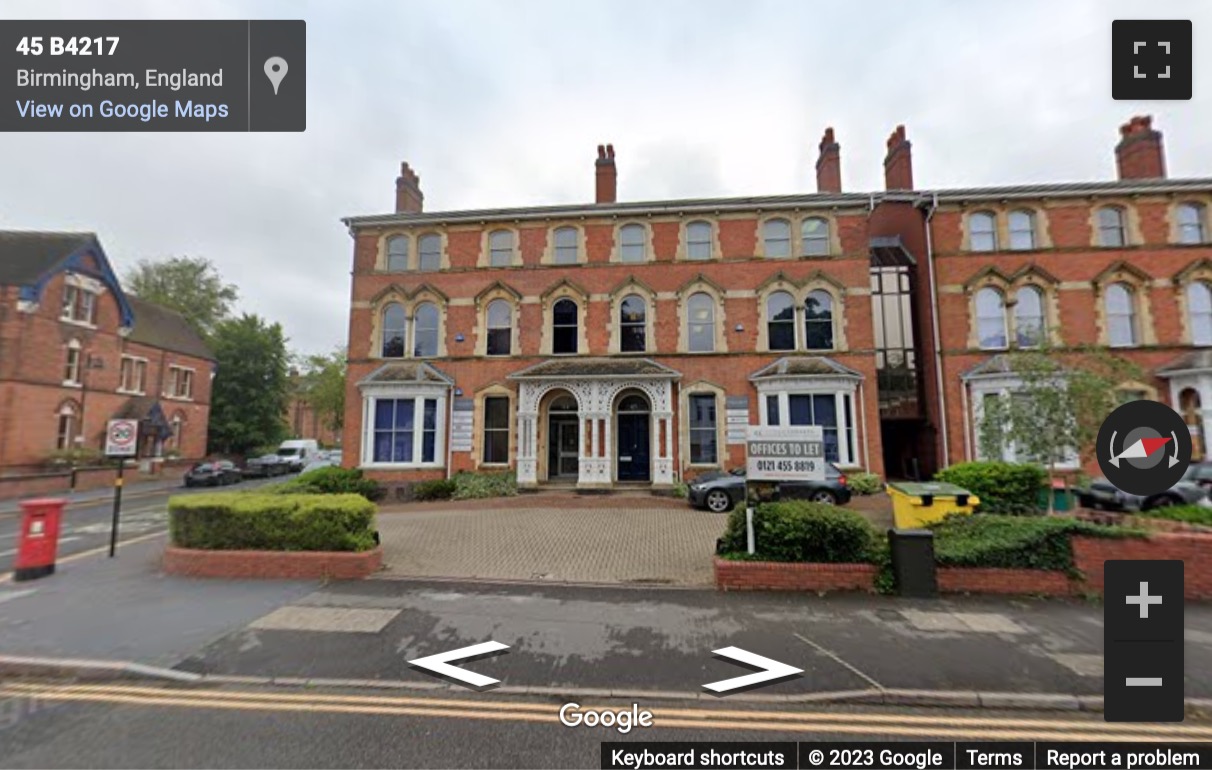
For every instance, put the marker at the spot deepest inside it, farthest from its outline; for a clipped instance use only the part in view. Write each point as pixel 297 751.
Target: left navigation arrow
pixel 440 664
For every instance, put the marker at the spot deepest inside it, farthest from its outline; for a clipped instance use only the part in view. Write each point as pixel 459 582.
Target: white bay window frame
pixel 1002 386
pixel 839 388
pixel 372 394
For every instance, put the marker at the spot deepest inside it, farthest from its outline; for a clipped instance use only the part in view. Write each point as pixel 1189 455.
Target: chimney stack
pixel 829 165
pixel 1139 154
pixel 898 163
pixel 409 198
pixel 607 176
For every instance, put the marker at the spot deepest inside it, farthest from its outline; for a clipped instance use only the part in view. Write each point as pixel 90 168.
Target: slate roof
pixel 26 255
pixel 1196 359
pixel 596 367
pixel 803 366
pixel 407 372
pixel 160 327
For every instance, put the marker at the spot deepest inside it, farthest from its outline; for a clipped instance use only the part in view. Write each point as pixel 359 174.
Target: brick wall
pixel 1004 581
pixel 273 565
pixel 1194 549
pixel 772 576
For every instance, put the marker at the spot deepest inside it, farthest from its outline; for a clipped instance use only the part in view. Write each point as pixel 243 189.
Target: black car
pixel 720 492
pixel 213 474
pixel 266 466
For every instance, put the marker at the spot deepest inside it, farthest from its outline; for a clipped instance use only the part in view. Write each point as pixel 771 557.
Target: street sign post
pixel 121 441
pixel 793 453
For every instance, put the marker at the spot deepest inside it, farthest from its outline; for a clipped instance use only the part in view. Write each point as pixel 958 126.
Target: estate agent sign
pixel 785 454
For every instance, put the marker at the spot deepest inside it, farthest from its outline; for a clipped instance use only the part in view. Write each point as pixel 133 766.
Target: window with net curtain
pixel 703 449
pixel 817 409
pixel 564 327
pixel 982 231
pixel 566 246
pixel 397 253
pixel 500 248
pixel 1111 227
pixel 776 237
pixel 780 321
pixel 496 430
pixel 818 320
pixel 633 320
pixel 398 438
pixel 425 330
pixel 1030 326
pixel 1191 223
pixel 990 319
pixel 814 237
pixel 395 330
pixel 430 252
pixel 499 319
pixel 700 321
pixel 631 243
pixel 1199 312
pixel 1120 305
pixel 698 240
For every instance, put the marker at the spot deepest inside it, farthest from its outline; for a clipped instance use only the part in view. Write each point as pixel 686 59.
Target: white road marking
pixel 61 541
pixel 6 596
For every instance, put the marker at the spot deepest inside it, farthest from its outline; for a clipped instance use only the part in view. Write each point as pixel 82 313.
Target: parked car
pixel 213 474
pixel 298 452
pixel 1103 495
pixel 1200 473
pixel 266 466
pixel 320 463
pixel 720 492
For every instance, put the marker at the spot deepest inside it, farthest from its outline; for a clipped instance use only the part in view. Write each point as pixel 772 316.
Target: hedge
pixel 240 521
pixel 1023 542
pixel 437 489
pixel 1191 514
pixel 800 531
pixel 476 486
pixel 865 483
pixel 1002 487
pixel 331 480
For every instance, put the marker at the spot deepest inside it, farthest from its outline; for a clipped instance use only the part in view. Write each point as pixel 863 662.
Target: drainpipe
pixel 866 437
pixel 967 426
pixel 938 347
pixel 449 429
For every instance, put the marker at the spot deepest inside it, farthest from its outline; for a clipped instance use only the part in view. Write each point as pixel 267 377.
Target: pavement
pixel 131 491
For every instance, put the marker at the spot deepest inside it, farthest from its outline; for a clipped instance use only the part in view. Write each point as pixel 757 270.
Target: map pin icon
pixel 275 70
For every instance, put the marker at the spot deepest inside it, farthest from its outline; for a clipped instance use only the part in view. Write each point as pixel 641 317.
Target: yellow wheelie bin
pixel 916 504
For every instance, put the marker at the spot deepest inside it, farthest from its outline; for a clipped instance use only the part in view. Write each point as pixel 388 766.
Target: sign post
pixel 794 453
pixel 121 441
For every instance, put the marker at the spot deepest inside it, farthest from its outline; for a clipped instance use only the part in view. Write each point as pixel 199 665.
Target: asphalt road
pixel 139 725
pixel 87 524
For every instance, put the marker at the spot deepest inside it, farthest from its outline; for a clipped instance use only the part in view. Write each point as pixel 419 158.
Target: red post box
pixel 38 540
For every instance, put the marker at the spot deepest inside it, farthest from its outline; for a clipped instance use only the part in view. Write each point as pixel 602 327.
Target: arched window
pixel 499 317
pixel 1121 315
pixel 66 433
pixel 1029 324
pixel 430 248
pixel 633 324
pixel 500 248
pixel 397 253
pixel 1199 312
pixel 776 234
pixel 814 237
pixel 1111 227
pixel 631 243
pixel 700 323
pixel 1022 230
pixel 818 320
pixel 395 328
pixel 990 319
pixel 566 247
pixel 1190 223
pixel 564 326
pixel 425 330
pixel 982 231
pixel 698 240
pixel 73 363
pixel 780 321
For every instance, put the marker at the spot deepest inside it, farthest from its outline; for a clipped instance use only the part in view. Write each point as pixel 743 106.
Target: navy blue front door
pixel 633 446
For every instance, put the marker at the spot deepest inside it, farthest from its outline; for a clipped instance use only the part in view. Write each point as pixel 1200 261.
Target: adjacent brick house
pixel 76 351
pixel 612 343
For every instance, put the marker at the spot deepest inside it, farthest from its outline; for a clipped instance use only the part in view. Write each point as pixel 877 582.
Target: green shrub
pixel 78 456
pixel 272 522
pixel 801 531
pixel 331 480
pixel 438 489
pixel 1025 542
pixel 476 486
pixel 681 490
pixel 1191 514
pixel 865 483
pixel 1009 488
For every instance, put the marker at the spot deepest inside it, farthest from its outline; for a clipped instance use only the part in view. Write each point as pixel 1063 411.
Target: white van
pixel 299 452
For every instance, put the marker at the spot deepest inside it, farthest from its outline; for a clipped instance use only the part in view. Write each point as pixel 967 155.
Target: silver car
pixel 1102 495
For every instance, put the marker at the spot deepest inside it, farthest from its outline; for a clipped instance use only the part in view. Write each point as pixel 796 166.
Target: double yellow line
pixel 1058 728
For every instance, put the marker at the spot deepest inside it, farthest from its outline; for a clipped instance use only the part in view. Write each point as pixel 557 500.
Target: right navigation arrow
pixel 771 671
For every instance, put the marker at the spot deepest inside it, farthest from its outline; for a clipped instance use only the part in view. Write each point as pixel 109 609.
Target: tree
pixel 251 387
pixel 322 385
pixel 190 285
pixel 1054 415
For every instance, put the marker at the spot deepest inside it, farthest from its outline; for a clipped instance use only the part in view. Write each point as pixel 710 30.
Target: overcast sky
pixel 503 104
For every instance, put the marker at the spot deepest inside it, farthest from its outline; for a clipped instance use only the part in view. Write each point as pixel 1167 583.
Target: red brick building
pixel 76 351
pixel 617 342
pixel 303 421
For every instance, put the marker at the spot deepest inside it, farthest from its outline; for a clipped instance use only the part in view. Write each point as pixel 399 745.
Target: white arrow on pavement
pixel 440 664
pixel 771 670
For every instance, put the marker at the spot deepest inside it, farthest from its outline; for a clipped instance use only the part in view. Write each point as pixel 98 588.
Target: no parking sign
pixel 121 438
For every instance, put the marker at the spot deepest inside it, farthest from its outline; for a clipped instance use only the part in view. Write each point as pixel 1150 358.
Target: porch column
pixel 662 472
pixel 528 470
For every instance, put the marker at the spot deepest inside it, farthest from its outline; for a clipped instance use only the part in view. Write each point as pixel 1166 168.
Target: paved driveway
pixel 573 539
